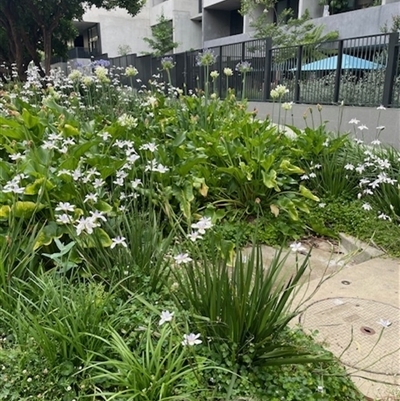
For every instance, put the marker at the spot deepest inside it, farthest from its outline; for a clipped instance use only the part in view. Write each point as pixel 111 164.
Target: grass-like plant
pixel 58 316
pixel 247 304
pixel 159 367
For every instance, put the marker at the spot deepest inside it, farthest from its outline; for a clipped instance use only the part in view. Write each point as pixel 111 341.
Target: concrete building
pixel 109 32
pixel 222 24
pixel 208 23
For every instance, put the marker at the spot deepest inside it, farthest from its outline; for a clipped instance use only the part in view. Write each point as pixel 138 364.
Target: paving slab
pixel 350 296
pixel 356 312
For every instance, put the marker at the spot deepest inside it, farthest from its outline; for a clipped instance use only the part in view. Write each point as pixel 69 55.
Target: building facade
pixel 209 23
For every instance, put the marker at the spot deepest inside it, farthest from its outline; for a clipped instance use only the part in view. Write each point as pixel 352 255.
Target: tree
pixel 287 30
pixel 163 33
pixel 50 20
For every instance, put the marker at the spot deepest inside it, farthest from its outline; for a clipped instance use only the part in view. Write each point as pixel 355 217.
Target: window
pixel 236 23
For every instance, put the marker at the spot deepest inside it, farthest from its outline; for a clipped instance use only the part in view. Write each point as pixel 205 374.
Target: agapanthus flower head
pixel 131 71
pixel 228 72
pixel 167 63
pixel 206 58
pixel 243 67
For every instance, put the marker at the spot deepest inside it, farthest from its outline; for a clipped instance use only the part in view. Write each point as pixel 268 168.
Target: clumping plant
pixel 121 211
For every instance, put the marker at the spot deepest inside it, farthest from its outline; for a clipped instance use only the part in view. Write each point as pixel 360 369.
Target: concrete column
pixel 313 6
pixel 390 1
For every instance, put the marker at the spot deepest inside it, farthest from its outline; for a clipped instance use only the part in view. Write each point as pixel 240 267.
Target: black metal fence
pixel 363 71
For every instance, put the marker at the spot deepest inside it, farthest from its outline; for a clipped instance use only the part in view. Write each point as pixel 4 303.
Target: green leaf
pixel 47 235
pixel 269 180
pixel 4 211
pixel 30 120
pixel 25 209
pixel 179 139
pixel 308 194
pixel 102 206
pixel 288 167
pixel 99 237
pixel 33 189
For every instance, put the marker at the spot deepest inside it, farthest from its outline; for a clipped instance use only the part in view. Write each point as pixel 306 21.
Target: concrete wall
pixel 117 28
pixel 187 33
pixel 360 22
pixel 338 119
pixel 216 24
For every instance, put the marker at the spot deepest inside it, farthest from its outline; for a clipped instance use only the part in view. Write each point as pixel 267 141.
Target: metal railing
pixel 362 71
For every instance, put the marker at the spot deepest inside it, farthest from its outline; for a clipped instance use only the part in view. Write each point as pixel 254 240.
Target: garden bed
pixel 110 201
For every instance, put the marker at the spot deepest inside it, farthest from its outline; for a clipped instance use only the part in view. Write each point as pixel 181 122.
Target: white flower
pixel 297 247
pixel 119 181
pixel 304 177
pixel 13 187
pixel 322 205
pixel 384 322
pixel 104 136
pixel 380 128
pixel 194 236
pixel 381 107
pixel 362 127
pixel 166 316
pixel 202 225
pixel 86 224
pixel 182 258
pixel 118 241
pixel 358 141
pixel 98 183
pixel 312 175
pixel 92 197
pixel 384 216
pixel 96 215
pixel 367 206
pixel 191 339
pixel 135 183
pixel 151 146
pixel 161 169
pixel 320 389
pixel 376 142
pixel 65 207
pixel 349 166
pixel 17 156
pixel 326 143
pixel 287 106
pixel 214 74
pixel 354 121
pixel 228 72
pixel 64 219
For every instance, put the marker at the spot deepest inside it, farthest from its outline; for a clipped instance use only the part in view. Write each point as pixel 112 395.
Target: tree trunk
pixel 47 50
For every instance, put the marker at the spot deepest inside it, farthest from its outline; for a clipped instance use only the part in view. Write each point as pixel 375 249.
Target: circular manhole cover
pixel 352 329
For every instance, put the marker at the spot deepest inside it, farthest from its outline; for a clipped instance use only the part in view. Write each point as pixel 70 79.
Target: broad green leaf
pixel 34 188
pixel 4 211
pixel 102 206
pixel 47 234
pixel 25 209
pixel 288 167
pixel 179 139
pixel 269 180
pixel 99 236
pixel 11 129
pixel 69 130
pixel 308 194
pixel 30 120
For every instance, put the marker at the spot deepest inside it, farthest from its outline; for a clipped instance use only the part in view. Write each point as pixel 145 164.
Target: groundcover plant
pixel 122 214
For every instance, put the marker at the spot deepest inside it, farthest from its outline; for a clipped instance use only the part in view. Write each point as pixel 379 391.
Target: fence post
pixel 220 73
pixel 338 72
pixel 267 68
pixel 298 74
pixel 243 51
pixel 185 73
pixel 393 55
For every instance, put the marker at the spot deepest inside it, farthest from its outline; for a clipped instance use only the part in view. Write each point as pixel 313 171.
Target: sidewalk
pixel 357 314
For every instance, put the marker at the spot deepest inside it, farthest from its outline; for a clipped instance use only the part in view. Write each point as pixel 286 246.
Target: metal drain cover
pixel 353 329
